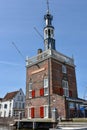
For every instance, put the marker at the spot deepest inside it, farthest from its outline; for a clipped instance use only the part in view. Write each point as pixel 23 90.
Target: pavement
pixel 71 126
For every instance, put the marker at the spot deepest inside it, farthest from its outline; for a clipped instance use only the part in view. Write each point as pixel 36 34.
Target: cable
pixel 18 50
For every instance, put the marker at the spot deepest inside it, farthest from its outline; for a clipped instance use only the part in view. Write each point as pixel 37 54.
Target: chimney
pixel 39 51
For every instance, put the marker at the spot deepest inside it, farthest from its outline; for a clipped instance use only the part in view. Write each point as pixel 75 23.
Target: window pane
pixel 64 84
pixel 30 86
pixel 45 83
pixel 46 111
pixel 65 88
pixel 5 106
pixel 45 91
pixel 66 92
pixel 30 94
pixel 64 69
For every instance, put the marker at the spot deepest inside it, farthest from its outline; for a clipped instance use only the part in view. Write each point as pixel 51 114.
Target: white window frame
pixel 29 113
pixel 46 91
pixel 64 70
pixel 45 82
pixel 30 90
pixel 65 88
pixel 30 86
pixel 46 111
pixel 30 94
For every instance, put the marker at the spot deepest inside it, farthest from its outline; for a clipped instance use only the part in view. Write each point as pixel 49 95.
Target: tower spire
pixel 47 6
pixel 49 40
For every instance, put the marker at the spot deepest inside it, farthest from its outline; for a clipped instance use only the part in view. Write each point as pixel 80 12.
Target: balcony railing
pixel 49 53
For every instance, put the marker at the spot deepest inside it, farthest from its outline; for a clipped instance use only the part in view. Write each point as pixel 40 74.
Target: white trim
pixel 29 112
pixel 46 109
pixel 65 88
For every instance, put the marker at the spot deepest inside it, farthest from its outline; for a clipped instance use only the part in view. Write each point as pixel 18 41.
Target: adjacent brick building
pixel 50 80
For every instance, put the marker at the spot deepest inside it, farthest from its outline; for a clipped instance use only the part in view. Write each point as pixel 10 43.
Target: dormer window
pixel 64 70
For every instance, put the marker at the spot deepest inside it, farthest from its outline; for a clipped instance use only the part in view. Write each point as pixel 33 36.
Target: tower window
pixel 64 70
pixel 52 31
pixel 65 88
pixel 46 32
pixel 49 32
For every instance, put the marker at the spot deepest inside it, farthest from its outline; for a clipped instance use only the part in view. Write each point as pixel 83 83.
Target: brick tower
pixel 50 79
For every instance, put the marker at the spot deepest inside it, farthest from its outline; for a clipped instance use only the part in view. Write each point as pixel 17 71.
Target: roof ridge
pixel 10 95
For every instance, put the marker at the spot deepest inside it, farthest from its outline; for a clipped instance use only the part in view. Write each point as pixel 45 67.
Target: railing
pixel 49 53
pixel 39 57
pixel 62 58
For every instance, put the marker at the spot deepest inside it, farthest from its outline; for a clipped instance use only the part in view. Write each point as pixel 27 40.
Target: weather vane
pixel 48 6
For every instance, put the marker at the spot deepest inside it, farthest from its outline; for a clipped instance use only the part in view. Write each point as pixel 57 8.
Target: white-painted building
pixel 13 104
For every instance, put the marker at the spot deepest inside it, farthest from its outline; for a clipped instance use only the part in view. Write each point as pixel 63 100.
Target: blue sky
pixel 17 21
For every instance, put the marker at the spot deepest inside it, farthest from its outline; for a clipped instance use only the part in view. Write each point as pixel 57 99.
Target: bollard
pixel 18 125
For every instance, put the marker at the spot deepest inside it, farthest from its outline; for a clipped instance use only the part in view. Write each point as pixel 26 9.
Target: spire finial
pixel 47 6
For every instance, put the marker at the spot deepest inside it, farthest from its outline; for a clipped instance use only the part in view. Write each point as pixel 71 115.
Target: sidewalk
pixel 69 128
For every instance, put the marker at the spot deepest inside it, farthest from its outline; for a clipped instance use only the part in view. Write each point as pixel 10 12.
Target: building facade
pixel 50 79
pixel 13 104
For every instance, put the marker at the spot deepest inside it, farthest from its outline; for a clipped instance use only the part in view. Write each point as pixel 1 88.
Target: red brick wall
pixel 37 78
pixel 72 81
pixel 57 77
pixel 38 83
pixel 59 103
pixel 54 69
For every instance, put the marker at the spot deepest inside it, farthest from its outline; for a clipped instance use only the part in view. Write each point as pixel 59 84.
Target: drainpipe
pixel 49 110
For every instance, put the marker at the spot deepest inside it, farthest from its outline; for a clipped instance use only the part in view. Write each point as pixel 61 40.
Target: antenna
pixel 18 50
pixel 48 5
pixel 38 33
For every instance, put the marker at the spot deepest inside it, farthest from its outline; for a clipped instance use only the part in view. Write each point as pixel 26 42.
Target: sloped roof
pixel 10 95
